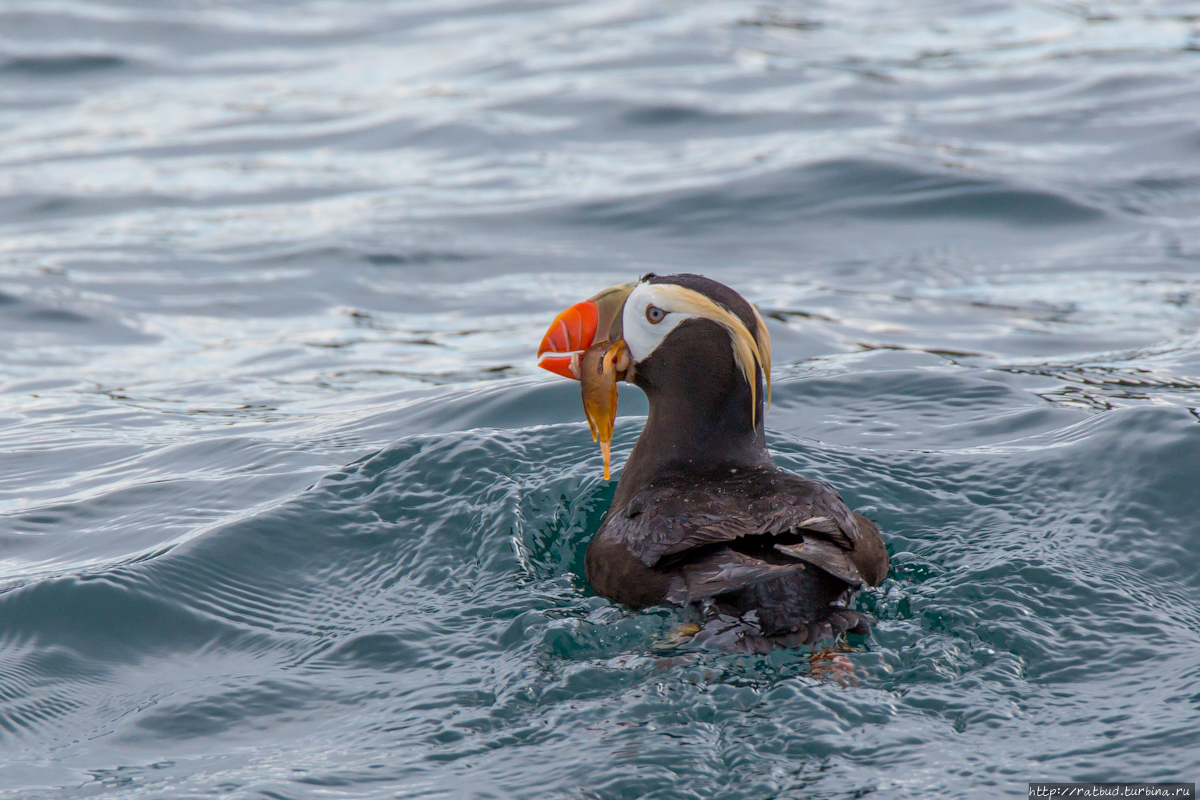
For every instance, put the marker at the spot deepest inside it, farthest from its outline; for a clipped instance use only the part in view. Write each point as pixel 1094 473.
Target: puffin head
pixel 697 348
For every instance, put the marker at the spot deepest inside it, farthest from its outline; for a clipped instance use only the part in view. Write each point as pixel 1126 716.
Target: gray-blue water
pixel 289 512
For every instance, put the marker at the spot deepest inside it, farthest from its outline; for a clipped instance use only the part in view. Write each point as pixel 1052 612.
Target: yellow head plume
pixel 749 352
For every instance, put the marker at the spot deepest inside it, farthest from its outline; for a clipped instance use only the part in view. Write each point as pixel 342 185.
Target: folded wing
pixel 680 523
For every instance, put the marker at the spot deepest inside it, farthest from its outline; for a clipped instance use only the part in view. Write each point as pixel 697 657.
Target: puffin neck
pixel 700 410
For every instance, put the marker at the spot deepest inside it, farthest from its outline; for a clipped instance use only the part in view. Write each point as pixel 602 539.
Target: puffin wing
pixel 722 571
pixel 679 513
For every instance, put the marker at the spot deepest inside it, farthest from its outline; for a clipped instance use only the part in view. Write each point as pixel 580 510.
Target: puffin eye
pixel 654 314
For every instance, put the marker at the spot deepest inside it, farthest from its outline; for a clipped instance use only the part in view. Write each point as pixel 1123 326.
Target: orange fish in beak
pixel 584 342
pixel 601 366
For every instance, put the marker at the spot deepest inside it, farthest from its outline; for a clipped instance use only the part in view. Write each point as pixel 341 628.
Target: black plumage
pixel 702 517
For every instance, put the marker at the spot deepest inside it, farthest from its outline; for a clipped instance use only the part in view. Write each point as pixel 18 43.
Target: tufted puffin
pixel 702 517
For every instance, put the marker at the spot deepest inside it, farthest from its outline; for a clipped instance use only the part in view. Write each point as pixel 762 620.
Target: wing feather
pixel 723 571
pixel 827 556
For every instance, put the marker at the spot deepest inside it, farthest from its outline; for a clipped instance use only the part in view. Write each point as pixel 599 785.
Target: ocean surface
pixel 288 511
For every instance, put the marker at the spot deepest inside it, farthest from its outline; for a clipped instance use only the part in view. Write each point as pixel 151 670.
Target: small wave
pixel 853 187
pixel 62 66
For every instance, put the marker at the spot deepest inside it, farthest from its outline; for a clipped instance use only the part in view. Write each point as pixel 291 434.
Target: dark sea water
pixel 290 512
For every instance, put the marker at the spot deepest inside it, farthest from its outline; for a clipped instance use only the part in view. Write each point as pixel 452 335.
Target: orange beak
pixel 571 333
pixel 596 319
